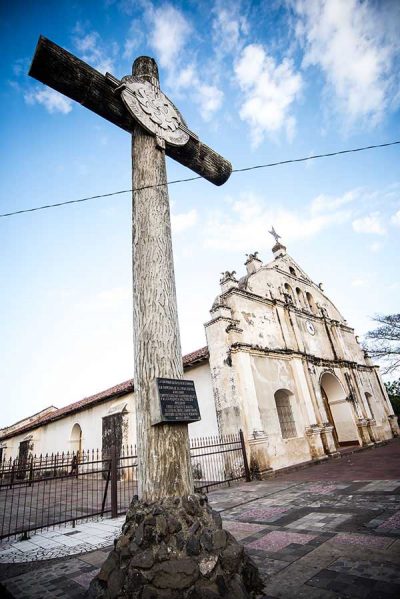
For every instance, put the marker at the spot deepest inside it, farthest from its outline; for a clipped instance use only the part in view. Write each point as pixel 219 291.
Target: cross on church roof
pixel 275 235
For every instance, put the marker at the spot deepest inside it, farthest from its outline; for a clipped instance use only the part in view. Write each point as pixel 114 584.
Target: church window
pixel 300 297
pixel 292 270
pixel 311 302
pixel 289 292
pixel 285 414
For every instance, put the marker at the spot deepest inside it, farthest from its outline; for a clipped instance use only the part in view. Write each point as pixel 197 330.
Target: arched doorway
pixel 338 410
pixel 76 438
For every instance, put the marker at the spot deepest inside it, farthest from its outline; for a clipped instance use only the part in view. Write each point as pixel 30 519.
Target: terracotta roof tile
pixel 189 360
pixel 196 356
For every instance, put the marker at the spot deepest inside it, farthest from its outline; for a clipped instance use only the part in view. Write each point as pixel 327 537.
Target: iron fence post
pixel 114 488
pixel 12 475
pixel 245 462
pixel 31 472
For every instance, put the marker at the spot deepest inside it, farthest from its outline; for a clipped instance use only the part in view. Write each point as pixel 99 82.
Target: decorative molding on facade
pixel 313 429
pixel 288 353
pixel 257 435
pixel 253 263
pixel 218 319
pixel 233 327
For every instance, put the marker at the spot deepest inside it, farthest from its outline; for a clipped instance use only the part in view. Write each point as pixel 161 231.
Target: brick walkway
pixel 329 531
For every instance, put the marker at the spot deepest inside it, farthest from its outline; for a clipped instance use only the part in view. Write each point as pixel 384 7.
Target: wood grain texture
pixel 72 77
pixel 163 450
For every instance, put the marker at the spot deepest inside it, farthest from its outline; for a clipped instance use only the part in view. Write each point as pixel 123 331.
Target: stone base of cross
pixel 172 543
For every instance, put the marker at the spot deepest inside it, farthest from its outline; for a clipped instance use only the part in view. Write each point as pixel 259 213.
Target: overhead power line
pixel 236 170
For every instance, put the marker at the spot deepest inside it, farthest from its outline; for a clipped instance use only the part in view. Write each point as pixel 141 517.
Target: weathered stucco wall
pixel 208 425
pixel 270 376
pixel 274 329
pixel 56 436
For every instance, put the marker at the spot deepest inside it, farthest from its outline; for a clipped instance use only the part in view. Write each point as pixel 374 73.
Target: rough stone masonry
pixel 176 549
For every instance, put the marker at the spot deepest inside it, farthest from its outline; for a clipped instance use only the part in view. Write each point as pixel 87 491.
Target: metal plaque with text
pixel 174 400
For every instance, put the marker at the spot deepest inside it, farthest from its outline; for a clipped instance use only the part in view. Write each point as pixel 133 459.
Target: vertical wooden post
pixel 245 462
pixel 114 479
pixel 163 450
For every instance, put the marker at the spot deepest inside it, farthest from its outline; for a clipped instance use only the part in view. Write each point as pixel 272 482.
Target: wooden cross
pixel 137 105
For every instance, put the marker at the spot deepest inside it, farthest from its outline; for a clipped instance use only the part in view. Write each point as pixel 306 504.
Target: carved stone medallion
pixel 153 110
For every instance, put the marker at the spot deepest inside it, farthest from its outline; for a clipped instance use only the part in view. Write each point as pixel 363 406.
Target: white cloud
pixel 21 66
pixel 183 221
pixel 93 50
pixel 169 34
pixel 269 92
pixel 324 203
pixel 395 220
pixel 371 223
pixel 134 39
pixel 170 31
pixel 355 45
pixel 229 28
pixel 244 224
pixel 186 77
pixel 208 97
pixel 50 99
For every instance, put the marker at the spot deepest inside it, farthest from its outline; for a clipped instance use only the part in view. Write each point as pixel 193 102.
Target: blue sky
pixel 260 82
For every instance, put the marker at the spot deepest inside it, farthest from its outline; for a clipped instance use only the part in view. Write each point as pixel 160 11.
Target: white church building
pixel 281 363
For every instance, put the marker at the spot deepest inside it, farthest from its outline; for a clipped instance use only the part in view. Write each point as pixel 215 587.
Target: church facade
pixel 288 369
pixel 281 363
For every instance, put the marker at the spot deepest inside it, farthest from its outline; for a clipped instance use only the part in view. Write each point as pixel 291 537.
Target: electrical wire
pixel 237 170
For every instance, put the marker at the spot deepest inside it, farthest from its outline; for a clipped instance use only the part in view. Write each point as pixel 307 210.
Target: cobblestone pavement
pixel 312 535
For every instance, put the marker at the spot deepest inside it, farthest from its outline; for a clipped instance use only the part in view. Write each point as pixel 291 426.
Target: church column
pixel 280 314
pixel 312 429
pixel 219 337
pixel 371 422
pixel 362 421
pixel 326 432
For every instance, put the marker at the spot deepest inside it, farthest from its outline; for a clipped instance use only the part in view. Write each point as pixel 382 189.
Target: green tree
pixel 383 343
pixel 393 389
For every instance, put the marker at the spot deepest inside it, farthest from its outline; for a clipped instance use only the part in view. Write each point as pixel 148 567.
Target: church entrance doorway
pixel 339 411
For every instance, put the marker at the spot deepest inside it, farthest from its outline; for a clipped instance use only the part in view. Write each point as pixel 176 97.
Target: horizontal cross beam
pixel 72 77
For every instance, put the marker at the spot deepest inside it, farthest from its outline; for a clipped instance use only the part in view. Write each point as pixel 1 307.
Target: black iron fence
pixel 39 492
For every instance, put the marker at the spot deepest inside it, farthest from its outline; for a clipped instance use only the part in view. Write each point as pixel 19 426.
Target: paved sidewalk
pixel 327 537
pixel 62 541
